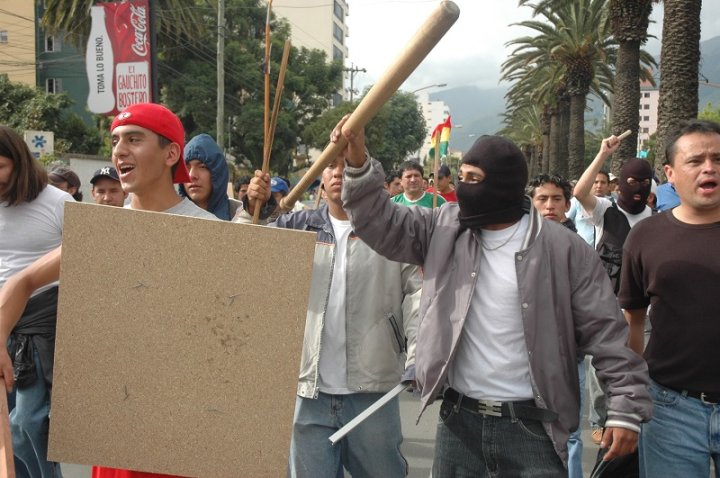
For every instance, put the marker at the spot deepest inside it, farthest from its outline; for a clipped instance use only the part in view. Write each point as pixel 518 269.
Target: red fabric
pixel 449 196
pixel 103 472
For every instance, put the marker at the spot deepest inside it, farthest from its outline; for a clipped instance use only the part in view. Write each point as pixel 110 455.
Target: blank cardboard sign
pixel 178 343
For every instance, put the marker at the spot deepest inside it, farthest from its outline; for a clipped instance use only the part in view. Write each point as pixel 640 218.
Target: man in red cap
pixel 147 151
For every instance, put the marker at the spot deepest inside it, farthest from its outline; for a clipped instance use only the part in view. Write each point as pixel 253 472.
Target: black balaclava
pixel 500 196
pixel 639 170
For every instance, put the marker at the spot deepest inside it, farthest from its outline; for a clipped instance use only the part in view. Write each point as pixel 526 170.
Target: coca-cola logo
pixel 138 19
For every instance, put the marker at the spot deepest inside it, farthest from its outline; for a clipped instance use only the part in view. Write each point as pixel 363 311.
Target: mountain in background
pixel 479 110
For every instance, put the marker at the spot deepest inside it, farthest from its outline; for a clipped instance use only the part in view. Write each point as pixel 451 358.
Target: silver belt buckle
pixel 490 407
pixel 702 399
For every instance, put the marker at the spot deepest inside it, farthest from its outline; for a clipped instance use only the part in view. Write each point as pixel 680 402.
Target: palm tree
pixel 524 128
pixel 629 20
pixel 679 60
pixel 576 37
pixel 538 82
pixel 177 19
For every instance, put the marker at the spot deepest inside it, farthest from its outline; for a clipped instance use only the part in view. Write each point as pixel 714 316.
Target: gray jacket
pixel 567 302
pixel 381 304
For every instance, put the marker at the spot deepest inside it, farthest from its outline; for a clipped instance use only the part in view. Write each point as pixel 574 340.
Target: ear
pixel 670 173
pixel 567 206
pixel 172 152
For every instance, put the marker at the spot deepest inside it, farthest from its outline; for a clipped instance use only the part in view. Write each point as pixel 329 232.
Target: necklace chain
pixel 482 242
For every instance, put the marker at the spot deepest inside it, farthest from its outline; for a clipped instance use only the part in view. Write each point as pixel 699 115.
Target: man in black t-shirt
pixel 671 262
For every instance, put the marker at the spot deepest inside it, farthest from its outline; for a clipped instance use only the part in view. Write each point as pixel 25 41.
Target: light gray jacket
pixel 567 302
pixel 381 305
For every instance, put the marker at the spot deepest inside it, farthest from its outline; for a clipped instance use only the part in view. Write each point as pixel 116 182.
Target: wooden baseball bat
pixel 420 45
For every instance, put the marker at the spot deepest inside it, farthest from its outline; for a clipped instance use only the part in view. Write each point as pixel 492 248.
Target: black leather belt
pixel 711 398
pixel 707 398
pixel 525 409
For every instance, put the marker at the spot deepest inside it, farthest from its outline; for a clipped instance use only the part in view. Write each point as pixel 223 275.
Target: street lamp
pixel 439 85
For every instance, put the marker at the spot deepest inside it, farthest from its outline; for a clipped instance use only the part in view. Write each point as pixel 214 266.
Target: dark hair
pixel 390 177
pixel 687 127
pixel 239 182
pixel 28 177
pixel 606 174
pixel 558 181
pixel 411 165
pixel 65 174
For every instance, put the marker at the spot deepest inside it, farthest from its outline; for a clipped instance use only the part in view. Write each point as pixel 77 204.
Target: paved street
pixel 418 445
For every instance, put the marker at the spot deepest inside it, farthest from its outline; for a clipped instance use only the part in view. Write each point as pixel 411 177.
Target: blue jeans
pixel 472 445
pixel 29 409
pixel 371 450
pixel 682 437
pixel 575 444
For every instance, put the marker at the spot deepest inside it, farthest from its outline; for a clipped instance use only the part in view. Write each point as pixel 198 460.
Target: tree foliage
pixel 187 80
pixel 395 132
pixel 25 108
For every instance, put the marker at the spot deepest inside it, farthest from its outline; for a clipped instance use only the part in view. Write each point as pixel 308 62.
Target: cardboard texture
pixel 178 343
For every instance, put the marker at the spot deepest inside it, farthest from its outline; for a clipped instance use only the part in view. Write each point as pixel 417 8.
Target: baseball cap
pixel 444 171
pixel 278 185
pixel 159 120
pixel 106 172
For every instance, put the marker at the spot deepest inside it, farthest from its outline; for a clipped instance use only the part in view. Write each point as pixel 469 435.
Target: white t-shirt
pixel 188 208
pixel 491 361
pixel 333 356
pixel 30 230
pixel 598 214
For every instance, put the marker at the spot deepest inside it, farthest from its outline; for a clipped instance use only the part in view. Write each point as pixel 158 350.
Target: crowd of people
pixel 486 293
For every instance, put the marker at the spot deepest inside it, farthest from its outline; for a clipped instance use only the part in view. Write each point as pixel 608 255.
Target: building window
pixel 3 36
pixel 338 54
pixel 646 130
pixel 339 11
pixel 646 107
pixel 646 95
pixel 646 118
pixel 338 33
pixel 52 44
pixel 53 85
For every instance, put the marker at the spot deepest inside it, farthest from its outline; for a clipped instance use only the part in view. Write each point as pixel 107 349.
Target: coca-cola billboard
pixel 118 56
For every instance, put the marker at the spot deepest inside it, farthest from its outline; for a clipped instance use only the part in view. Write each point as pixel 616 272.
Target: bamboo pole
pixel 436 166
pixel 424 40
pixel 270 135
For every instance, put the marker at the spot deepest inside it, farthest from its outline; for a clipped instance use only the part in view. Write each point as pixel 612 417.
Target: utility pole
pixel 220 123
pixel 352 70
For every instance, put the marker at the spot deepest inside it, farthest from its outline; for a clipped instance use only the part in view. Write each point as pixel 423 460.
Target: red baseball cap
pixel 159 120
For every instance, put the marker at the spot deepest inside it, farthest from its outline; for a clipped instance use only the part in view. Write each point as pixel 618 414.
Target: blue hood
pixel 203 148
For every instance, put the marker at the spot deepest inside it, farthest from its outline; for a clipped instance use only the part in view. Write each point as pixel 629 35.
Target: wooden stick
pixel 624 135
pixel 415 52
pixel 436 166
pixel 266 73
pixel 278 97
pixel 270 135
pixel 266 109
pixel 7 463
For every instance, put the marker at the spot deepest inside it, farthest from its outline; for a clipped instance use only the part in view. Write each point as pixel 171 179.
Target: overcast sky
pixel 473 49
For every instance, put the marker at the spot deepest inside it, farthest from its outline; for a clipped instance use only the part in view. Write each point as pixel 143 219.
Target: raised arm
pixel 14 296
pixel 583 188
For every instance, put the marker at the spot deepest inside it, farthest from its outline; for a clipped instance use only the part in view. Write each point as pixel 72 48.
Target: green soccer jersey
pixel 426 200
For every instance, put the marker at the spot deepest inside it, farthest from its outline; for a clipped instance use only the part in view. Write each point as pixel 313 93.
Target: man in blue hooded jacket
pixel 209 177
